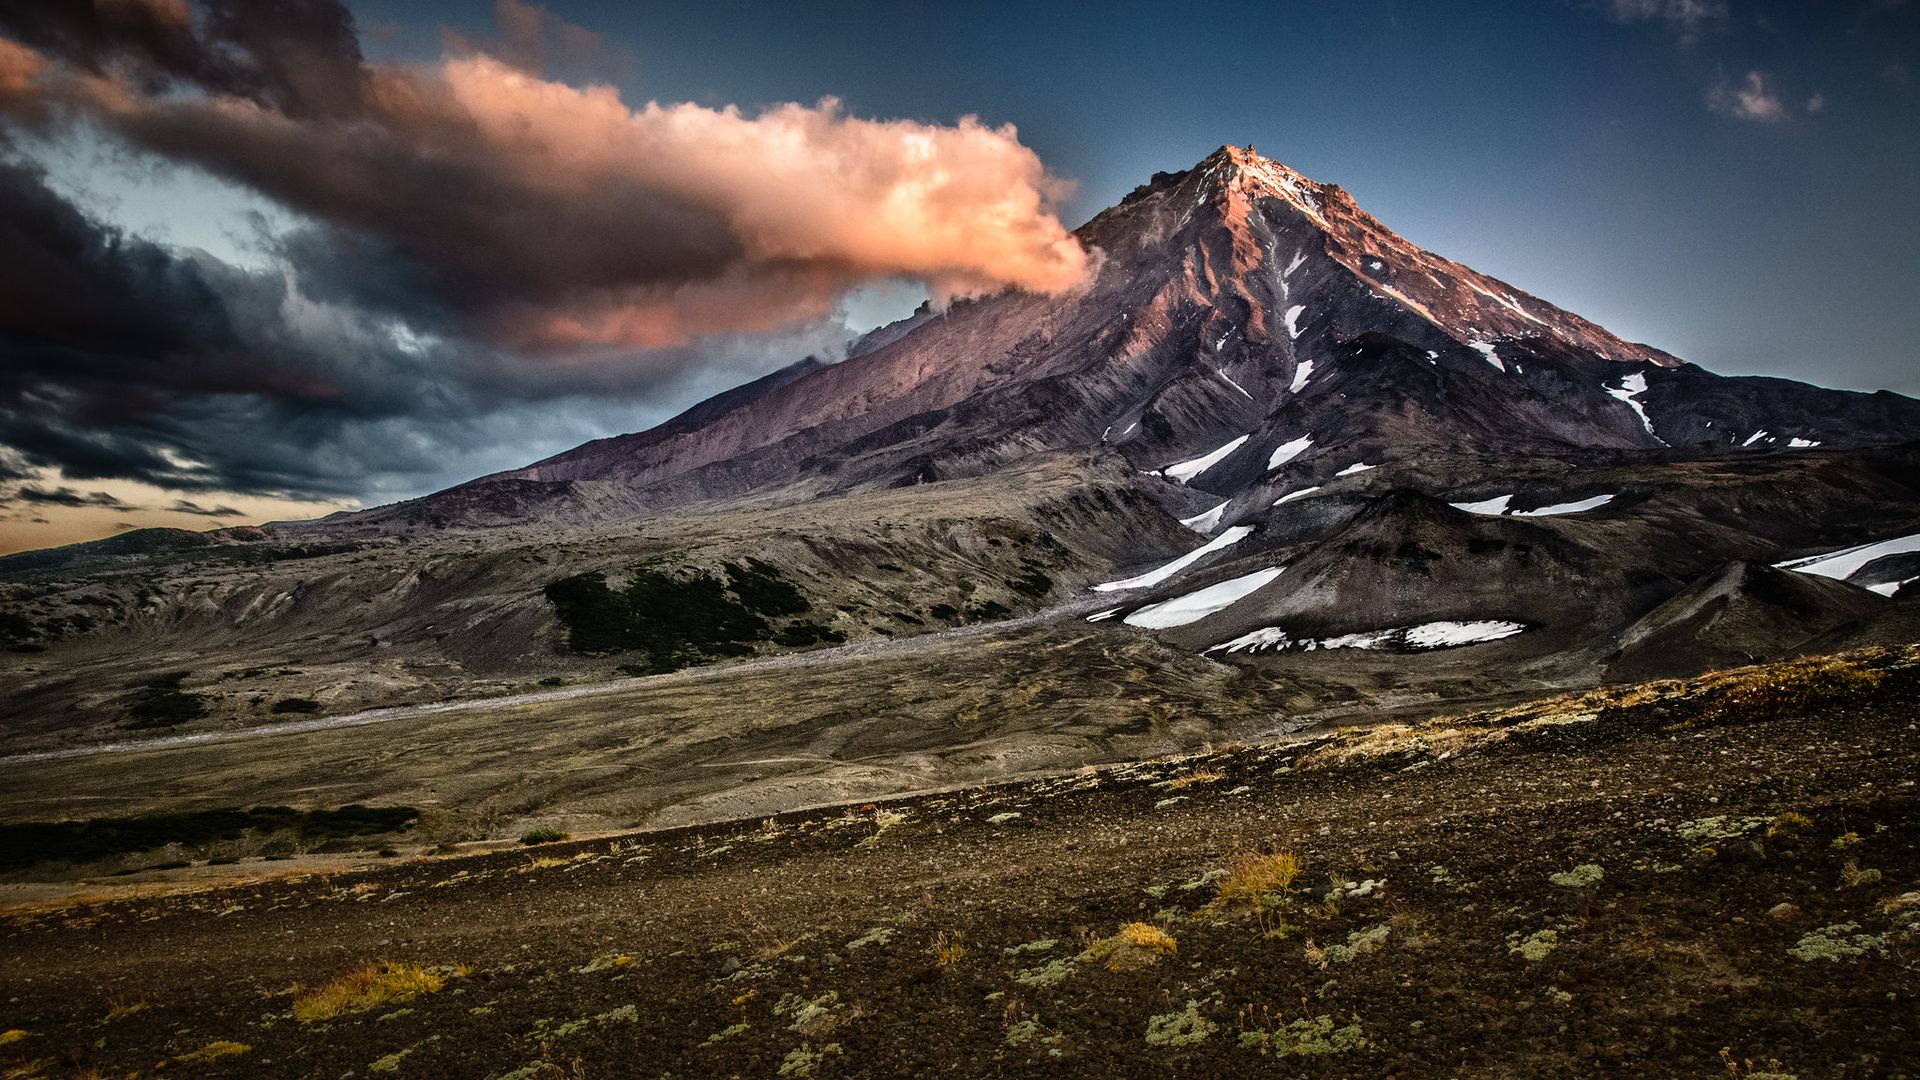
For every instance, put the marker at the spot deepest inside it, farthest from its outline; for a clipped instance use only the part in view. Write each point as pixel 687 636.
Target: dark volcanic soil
pixel 1608 884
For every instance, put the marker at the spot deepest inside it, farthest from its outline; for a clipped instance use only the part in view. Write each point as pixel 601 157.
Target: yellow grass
pixel 366 988
pixel 219 1048
pixel 1151 938
pixel 946 953
pixel 1253 878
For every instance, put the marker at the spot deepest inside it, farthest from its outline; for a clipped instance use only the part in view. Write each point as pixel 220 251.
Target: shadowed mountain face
pixel 1246 321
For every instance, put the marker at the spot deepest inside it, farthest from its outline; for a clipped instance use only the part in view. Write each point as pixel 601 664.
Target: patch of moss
pixel 1307 1037
pixel 1183 1028
pixel 1358 944
pixel 1836 943
pixel 1050 974
pixel 1579 877
pixel 1535 946
pixel 801 1060
pixel 810 1016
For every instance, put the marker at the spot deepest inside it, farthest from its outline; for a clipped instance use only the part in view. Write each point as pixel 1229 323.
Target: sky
pixel 275 258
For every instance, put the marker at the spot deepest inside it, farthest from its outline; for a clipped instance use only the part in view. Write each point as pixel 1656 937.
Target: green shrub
pixel 161 703
pixel 29 843
pixel 545 834
pixel 675 619
pixel 296 705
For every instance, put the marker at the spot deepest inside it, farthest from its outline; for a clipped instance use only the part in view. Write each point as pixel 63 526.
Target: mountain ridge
pixel 1196 317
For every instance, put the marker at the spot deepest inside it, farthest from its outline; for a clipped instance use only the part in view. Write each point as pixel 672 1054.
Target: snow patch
pixel 1292 495
pixel 1293 317
pixel 1287 451
pixel 1843 564
pixel 1201 603
pixel 1356 467
pixel 1494 506
pixel 1154 577
pixel 1102 616
pixel 1754 438
pixel 1629 391
pixel 1801 444
pixel 1433 635
pixel 1207 522
pixel 1298 258
pixel 1486 349
pixel 1581 506
pixel 1300 376
pixel 1182 471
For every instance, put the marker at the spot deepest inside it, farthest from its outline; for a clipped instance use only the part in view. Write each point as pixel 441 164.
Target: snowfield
pixel 1201 603
pixel 1154 577
pixel 1433 635
pixel 1300 377
pixel 1204 524
pixel 1577 507
pixel 1494 506
pixel 1629 391
pixel 1182 471
pixel 1843 564
pixel 1287 451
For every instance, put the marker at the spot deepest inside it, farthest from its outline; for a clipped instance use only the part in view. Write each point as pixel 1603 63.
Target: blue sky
pixel 1568 147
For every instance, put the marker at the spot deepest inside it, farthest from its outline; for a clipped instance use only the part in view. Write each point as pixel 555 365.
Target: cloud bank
pixel 479 252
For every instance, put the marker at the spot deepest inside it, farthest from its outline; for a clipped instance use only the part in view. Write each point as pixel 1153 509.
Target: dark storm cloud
pixel 486 266
pixel 301 57
pixel 188 506
pixel 64 496
pixel 546 216
pixel 124 359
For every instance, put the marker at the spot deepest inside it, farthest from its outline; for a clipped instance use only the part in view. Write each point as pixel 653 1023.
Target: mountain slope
pixel 1270 434
pixel 1235 298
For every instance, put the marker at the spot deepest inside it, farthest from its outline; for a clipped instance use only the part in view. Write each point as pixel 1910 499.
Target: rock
pixel 1783 912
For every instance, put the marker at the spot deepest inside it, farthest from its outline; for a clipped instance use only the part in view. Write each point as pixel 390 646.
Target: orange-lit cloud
pixel 556 217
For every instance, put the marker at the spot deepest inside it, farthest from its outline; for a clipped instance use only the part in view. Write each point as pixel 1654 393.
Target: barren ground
pixel 1592 885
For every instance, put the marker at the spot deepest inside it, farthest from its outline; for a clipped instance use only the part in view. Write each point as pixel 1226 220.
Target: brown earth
pixel 1589 885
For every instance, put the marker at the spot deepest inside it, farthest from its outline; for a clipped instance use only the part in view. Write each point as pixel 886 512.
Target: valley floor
pixel 1673 880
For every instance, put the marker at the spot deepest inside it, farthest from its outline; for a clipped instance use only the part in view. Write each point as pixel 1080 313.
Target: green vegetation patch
pixel 35 842
pixel 161 703
pixel 1307 1037
pixel 684 618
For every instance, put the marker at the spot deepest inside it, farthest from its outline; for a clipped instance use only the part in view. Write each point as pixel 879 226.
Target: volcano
pixel 1249 332
pixel 1268 435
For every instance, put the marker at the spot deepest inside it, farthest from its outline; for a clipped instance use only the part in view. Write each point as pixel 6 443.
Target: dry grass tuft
pixel 369 987
pixel 1253 879
pixel 1789 689
pixel 1137 945
pixel 1146 936
pixel 946 953
pixel 1788 823
pixel 1197 776
pixel 219 1048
